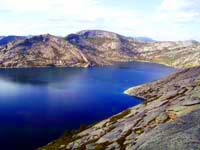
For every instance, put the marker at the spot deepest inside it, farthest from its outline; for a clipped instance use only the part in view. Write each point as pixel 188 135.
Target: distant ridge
pixel 6 39
pixel 94 48
pixel 145 39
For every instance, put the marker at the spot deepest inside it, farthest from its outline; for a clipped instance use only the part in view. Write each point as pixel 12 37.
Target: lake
pixel 38 105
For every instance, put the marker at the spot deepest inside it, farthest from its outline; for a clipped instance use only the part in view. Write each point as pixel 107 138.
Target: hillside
pixel 168 119
pixel 115 47
pixel 39 51
pixel 96 48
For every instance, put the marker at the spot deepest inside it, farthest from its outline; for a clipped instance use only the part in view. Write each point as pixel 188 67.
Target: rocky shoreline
pixel 168 119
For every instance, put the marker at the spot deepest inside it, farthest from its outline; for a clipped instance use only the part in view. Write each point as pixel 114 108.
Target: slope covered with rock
pixel 182 54
pixel 39 51
pixel 96 48
pixel 103 45
pixel 115 47
pixel 168 119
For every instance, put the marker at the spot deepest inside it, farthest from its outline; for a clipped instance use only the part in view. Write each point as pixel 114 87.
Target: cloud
pixel 180 11
pixel 176 20
pixel 46 5
pixel 61 17
pixel 176 4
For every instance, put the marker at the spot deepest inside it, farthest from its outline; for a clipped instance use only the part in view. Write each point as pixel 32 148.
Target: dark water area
pixel 38 105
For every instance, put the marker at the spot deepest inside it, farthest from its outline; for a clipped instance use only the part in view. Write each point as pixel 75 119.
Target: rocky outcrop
pixel 168 119
pixel 96 48
pixel 182 134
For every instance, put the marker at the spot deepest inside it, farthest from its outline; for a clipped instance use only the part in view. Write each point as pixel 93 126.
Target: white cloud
pixel 65 16
pixel 180 11
pixel 61 17
pixel 177 20
pixel 176 4
pixel 46 5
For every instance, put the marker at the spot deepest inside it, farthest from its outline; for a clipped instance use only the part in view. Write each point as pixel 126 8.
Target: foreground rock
pixel 95 48
pixel 168 119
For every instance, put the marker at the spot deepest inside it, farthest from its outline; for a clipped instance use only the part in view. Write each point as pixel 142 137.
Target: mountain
pixel 6 39
pixel 95 48
pixel 115 47
pixel 181 54
pixel 39 51
pixel 104 45
pixel 168 119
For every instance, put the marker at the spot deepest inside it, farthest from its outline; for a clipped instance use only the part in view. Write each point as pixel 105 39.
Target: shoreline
pixel 100 66
pixel 163 106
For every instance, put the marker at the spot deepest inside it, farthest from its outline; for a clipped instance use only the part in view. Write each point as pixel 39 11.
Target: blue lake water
pixel 38 105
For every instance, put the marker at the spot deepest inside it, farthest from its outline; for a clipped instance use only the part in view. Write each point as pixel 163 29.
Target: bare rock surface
pixel 182 134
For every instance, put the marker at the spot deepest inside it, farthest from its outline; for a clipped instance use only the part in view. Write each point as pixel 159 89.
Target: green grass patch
pixel 102 146
pixel 120 116
pixel 121 140
pixel 65 139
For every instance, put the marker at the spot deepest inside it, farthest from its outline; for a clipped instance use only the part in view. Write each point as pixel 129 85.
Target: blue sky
pixel 158 19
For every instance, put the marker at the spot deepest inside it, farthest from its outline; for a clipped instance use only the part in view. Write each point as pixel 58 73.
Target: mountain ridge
pixel 7 39
pixel 95 48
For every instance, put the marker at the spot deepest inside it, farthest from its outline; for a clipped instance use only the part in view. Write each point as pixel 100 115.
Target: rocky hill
pixel 96 47
pixel 39 51
pixel 104 45
pixel 181 54
pixel 115 47
pixel 167 120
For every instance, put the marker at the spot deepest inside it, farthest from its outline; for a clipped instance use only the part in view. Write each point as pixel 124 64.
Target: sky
pixel 157 19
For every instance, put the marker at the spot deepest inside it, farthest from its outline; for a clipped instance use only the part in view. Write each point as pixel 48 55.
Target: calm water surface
pixel 38 105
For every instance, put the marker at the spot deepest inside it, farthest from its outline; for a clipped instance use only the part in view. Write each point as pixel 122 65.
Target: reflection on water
pixel 37 105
